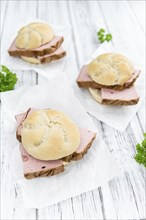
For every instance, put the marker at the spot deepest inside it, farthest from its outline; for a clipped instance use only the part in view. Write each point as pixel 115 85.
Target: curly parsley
pixel 7 79
pixel 140 157
pixel 103 37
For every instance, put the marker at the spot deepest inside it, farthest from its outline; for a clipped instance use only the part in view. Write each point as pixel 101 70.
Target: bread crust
pixel 34 35
pixel 77 155
pixel 49 135
pixel 47 58
pixel 90 83
pixel 40 51
pixel 51 172
pixel 110 69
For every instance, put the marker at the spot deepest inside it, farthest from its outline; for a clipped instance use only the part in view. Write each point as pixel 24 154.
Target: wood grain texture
pixel 138 10
pixel 124 196
pixel 12 206
pixel 3 14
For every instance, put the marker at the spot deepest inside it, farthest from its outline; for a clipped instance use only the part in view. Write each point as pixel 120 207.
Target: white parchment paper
pixel 95 169
pixel 117 117
pixel 47 70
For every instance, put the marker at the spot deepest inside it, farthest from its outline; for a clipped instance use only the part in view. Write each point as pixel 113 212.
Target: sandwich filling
pixel 36 43
pixel 34 35
pixel 105 95
pixel 49 135
pixel 59 53
pixel 34 167
pixel 84 80
pixel 110 69
pixel 42 50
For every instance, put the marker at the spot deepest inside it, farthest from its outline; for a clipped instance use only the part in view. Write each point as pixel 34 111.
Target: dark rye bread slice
pixel 47 48
pixel 85 81
pixel 37 168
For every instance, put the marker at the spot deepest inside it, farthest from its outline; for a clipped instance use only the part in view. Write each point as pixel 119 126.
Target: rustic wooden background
pixel 124 196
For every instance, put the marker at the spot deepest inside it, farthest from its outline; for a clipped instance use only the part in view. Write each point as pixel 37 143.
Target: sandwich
pixel 49 139
pixel 37 43
pixel 110 79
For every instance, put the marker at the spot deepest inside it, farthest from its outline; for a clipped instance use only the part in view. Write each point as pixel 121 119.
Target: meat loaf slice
pixel 20 118
pixel 85 81
pixel 38 168
pixel 56 55
pixel 113 97
pixel 47 48
pixel 87 138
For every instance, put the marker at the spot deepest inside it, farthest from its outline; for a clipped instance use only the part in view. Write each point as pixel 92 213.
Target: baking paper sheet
pixel 95 169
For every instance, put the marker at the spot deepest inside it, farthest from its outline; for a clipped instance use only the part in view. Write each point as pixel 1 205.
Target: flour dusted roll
pixel 110 69
pixel 49 135
pixel 32 60
pixel 34 35
pixel 110 79
pixel 36 43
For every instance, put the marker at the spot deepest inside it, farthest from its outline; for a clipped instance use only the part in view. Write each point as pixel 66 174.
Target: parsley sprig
pixel 7 79
pixel 103 37
pixel 140 157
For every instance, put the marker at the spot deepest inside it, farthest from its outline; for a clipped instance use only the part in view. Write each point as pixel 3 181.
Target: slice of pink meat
pixel 32 165
pixel 53 42
pixel 124 95
pixel 20 118
pixel 58 53
pixel 84 77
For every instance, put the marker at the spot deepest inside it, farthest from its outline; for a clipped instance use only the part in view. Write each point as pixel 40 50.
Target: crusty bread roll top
pixel 49 135
pixel 34 35
pixel 110 69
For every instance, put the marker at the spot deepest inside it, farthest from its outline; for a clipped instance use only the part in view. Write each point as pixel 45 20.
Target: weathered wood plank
pixel 76 207
pixel 129 138
pixel 124 200
pixel 123 197
pixel 12 206
pixel 3 7
pixel 56 13
pixel 82 26
pixel 122 146
pixel 138 9
pixel 77 23
pixel 128 34
pixel 85 28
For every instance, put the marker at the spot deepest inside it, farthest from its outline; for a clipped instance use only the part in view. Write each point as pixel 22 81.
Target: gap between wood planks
pixel 132 145
pixel 78 66
pixel 138 21
pixel 2 25
pixel 78 59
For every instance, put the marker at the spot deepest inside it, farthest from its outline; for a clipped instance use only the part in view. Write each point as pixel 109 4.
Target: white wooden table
pixel 124 196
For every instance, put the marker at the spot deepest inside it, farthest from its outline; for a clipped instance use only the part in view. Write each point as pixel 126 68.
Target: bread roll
pixel 34 35
pixel 49 135
pixel 96 94
pixel 110 69
pixel 32 60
